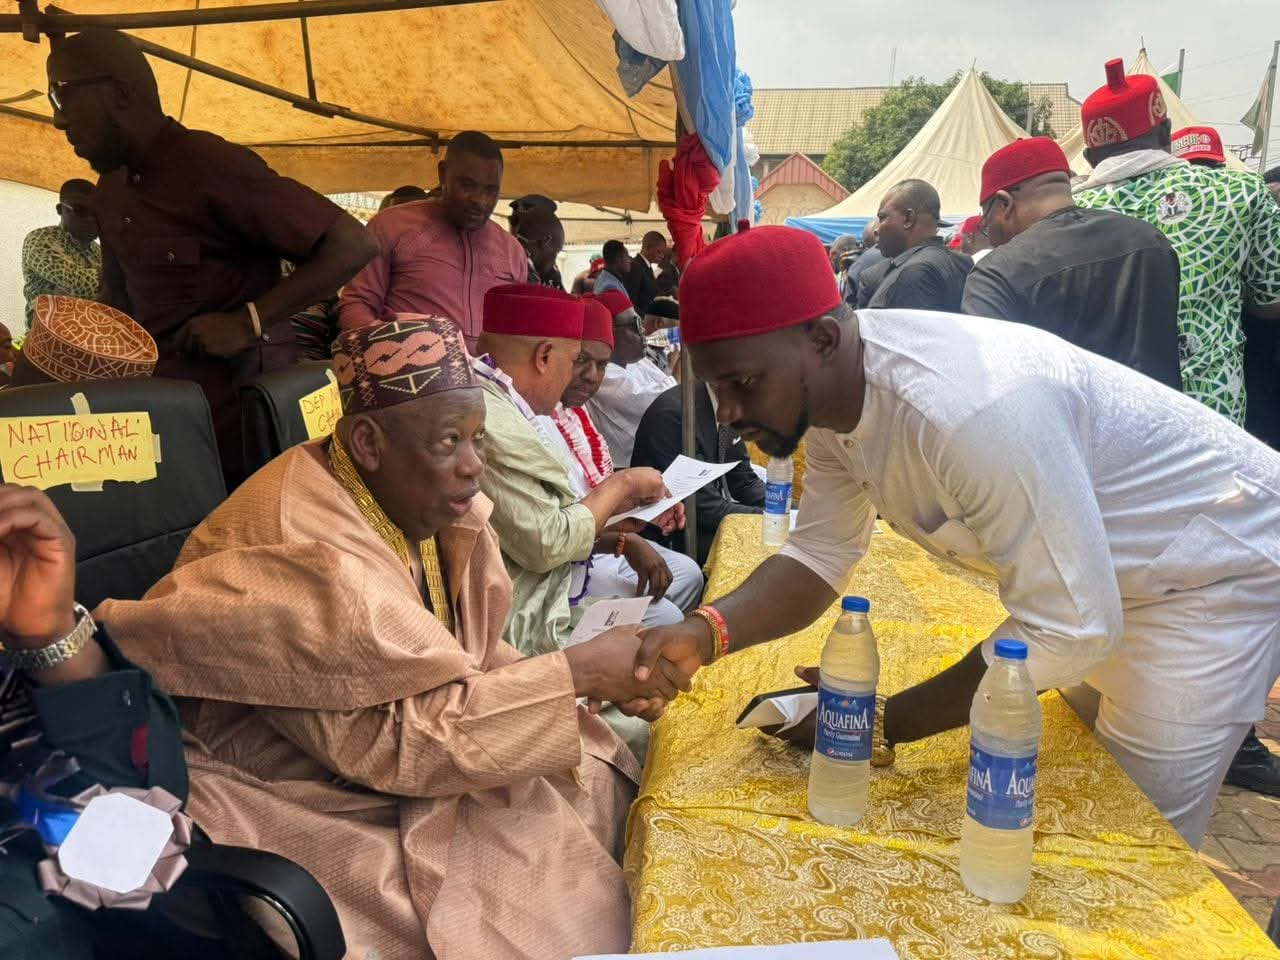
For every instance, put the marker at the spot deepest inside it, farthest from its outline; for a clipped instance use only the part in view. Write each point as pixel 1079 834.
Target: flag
pixel 1256 117
pixel 1173 80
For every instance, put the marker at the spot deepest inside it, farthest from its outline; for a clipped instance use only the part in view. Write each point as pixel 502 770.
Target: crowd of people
pixel 364 659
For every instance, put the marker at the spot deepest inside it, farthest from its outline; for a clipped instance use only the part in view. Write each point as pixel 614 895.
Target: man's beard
pixel 110 154
pixel 777 444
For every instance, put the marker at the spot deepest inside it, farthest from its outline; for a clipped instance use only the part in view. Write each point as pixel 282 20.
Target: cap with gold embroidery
pixel 73 340
pixel 403 359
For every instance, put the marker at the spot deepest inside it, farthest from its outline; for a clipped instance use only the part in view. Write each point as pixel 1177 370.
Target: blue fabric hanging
pixel 743 111
pixel 707 73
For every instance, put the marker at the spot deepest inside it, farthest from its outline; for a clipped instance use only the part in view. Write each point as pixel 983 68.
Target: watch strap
pixel 60 651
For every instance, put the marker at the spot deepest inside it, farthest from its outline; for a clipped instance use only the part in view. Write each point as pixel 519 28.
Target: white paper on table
pixel 829 950
pixel 788 711
pixel 683 478
pixel 606 614
pixel 116 842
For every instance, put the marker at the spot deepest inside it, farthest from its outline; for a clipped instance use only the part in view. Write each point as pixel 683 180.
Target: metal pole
pixel 1030 112
pixel 1182 60
pixel 55 21
pixel 1266 107
pixel 689 441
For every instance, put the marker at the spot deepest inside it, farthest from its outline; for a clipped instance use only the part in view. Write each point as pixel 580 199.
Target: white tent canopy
pixel 1179 116
pixel 948 152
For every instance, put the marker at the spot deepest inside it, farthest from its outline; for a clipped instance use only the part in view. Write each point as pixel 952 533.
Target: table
pixel 721 849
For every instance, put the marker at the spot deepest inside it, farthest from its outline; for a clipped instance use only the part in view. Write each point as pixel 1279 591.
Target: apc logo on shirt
pixel 1175 207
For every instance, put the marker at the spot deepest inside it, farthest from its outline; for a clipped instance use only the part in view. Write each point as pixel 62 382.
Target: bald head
pixel 105 53
pixel 541 234
pixel 908 215
pixel 841 248
pixel 540 367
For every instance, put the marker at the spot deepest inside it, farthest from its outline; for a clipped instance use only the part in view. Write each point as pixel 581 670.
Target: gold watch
pixel 882 754
pixel 60 651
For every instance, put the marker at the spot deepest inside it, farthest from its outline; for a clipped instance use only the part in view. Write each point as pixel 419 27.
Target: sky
pixel 849 43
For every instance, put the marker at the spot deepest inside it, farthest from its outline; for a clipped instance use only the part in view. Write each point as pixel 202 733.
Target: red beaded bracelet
pixel 719 630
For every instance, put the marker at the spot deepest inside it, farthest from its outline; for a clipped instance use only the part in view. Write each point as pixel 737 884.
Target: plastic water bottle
pixel 840 771
pixel 777 501
pixel 1004 741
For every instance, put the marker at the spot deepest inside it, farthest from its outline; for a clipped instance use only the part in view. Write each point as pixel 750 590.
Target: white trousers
pixel 613 577
pixel 1180 766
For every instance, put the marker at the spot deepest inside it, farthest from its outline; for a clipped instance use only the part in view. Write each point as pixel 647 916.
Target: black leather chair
pixel 129 534
pixel 127 537
pixel 270 415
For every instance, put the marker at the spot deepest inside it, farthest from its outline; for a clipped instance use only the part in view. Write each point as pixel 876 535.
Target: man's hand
pixel 671 521
pixel 804 732
pixel 653 576
pixel 217 334
pixel 603 669
pixel 644 486
pixel 37 570
pixel 649 710
pixel 674 653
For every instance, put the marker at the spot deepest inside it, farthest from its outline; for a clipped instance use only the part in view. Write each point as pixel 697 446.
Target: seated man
pixel 635 565
pixel 73 340
pixel 660 440
pixel 64 687
pixel 334 632
pixel 631 382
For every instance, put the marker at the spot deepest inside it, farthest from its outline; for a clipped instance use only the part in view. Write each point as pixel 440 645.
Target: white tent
pixel 948 152
pixel 1179 116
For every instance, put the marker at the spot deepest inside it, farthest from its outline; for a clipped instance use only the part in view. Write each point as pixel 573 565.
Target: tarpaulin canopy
pixel 537 75
pixel 1179 116
pixel 948 152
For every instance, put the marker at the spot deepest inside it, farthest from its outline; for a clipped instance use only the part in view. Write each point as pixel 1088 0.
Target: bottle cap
pixel 855 605
pixel 1011 649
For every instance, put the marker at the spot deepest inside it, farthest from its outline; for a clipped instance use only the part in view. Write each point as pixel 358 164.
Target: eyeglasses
pixel 58 89
pixel 77 209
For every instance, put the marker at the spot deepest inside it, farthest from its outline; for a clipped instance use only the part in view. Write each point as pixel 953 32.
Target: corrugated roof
pixel 799 169
pixel 808 120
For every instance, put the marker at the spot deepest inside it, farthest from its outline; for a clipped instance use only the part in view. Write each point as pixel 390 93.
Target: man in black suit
pixel 642 281
pixel 921 274
pixel 658 443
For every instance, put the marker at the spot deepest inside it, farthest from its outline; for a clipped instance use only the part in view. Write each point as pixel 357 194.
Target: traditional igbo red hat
pixel 403 359
pixel 1126 108
pixel 74 340
pixel 1198 145
pixel 754 282
pixel 1019 161
pixel 529 310
pixel 617 301
pixel 597 320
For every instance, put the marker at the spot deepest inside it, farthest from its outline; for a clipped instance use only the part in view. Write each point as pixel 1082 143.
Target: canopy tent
pixel 537 75
pixel 1179 116
pixel 948 152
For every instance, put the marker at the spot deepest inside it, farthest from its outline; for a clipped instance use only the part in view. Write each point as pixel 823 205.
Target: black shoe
pixel 1255 767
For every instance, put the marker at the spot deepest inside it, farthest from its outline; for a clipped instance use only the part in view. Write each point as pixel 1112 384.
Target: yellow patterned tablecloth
pixel 722 851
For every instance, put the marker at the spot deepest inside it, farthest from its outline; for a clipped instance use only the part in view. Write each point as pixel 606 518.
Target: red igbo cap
pixel 1127 107
pixel 617 301
pixel 404 359
pixel 597 320
pixel 970 225
pixel 1198 143
pixel 1019 161
pixel 529 310
pixel 754 282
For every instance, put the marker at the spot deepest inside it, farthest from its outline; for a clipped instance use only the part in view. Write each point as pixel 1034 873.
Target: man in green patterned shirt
pixel 1223 225
pixel 64 259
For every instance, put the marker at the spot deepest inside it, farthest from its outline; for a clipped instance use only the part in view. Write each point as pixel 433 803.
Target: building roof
pixel 799 169
pixel 809 120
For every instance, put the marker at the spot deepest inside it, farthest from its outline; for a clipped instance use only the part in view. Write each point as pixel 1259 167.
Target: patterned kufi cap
pixel 73 340
pixel 403 359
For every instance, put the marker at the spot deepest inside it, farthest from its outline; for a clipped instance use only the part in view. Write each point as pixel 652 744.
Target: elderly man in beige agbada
pixel 334 635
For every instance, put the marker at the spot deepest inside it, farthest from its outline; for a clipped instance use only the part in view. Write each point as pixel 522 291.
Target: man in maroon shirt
pixel 440 256
pixel 194 228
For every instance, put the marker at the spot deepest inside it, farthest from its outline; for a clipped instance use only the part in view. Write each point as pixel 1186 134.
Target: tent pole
pixel 54 21
pixel 688 391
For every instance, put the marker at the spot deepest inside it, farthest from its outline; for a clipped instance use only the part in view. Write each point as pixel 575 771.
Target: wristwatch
pixel 60 651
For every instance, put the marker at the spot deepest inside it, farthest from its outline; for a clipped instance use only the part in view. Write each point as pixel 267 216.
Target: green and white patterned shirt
pixel 1225 227
pixel 55 262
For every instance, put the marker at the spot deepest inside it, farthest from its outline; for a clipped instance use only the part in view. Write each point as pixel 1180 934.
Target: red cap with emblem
pixel 1198 145
pixel 1020 161
pixel 1126 108
pixel 754 282
pixel 528 310
pixel 597 320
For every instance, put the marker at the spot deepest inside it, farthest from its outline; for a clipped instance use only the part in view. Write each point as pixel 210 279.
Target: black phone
pixel 761 698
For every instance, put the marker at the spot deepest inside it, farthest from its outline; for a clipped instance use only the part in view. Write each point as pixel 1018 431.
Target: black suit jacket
pixel 658 443
pixel 642 285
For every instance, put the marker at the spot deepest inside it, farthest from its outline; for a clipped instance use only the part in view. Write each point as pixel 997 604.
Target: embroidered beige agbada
pixel 448 793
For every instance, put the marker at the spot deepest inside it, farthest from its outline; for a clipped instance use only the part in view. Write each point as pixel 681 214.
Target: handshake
pixel 640 671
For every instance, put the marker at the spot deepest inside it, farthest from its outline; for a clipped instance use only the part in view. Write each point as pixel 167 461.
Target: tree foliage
pixel 861 152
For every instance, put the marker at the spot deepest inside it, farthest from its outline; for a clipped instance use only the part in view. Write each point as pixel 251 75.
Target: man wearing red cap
pixel 1105 282
pixel 631 382
pixel 548 531
pixel 1222 224
pixel 333 635
pixel 1200 145
pixel 1135 534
